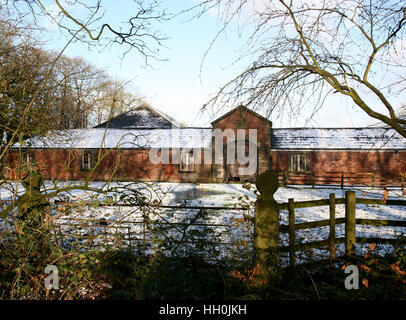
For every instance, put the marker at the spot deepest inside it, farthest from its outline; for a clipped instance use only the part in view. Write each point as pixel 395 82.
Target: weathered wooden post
pixel 332 242
pixel 342 180
pixel 129 237
pixel 91 236
pixel 292 233
pixel 350 241
pixel 285 178
pixel 31 222
pixel 32 203
pixel 266 224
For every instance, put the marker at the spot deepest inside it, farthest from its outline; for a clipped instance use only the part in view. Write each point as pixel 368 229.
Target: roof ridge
pixel 136 112
pixel 158 112
pixel 241 107
pixel 164 115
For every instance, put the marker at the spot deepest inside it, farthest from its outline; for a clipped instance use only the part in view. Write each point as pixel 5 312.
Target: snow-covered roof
pixel 338 139
pixel 123 138
pixel 289 139
pixel 140 117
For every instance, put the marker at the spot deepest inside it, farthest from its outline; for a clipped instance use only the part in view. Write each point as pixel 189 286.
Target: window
pixel 187 163
pixel 298 162
pixel 86 160
pixel 28 157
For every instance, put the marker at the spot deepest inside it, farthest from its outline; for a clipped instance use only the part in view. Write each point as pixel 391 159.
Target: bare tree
pixel 76 84
pixel 305 51
pixel 113 98
pixel 33 80
pixel 42 91
pixel 22 71
pixel 75 94
pixel 89 24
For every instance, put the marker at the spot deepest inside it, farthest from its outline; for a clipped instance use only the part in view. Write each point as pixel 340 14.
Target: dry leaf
pixel 364 267
pixel 366 256
pixel 395 268
pixel 385 194
pixel 364 194
pixel 372 246
pixel 365 282
pixel 19 231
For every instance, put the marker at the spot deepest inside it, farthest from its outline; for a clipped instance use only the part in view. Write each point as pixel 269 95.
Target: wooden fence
pixel 136 231
pixel 119 232
pixel 342 179
pixel 350 221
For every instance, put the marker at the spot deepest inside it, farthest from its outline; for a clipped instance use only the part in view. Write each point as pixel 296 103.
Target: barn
pixel 145 144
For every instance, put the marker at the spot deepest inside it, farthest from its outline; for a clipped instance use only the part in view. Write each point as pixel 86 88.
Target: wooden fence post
pixel 91 236
pixel 342 180
pixel 129 237
pixel 332 248
pixel 402 181
pixel 350 201
pixel 266 224
pixel 292 233
pixel 118 238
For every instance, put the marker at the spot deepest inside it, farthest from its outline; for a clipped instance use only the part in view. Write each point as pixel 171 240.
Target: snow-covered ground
pixel 225 226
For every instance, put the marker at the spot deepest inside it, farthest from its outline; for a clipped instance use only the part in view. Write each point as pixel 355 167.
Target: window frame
pixel 299 162
pixel 83 165
pixel 185 167
pixel 27 157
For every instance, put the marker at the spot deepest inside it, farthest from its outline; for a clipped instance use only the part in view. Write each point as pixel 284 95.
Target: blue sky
pixel 176 86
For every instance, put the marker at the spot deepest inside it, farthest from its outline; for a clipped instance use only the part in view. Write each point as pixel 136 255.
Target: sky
pixel 181 85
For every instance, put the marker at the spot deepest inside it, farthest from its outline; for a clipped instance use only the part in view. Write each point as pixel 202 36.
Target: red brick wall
pixel 389 164
pixel 126 165
pixel 134 165
pixel 240 118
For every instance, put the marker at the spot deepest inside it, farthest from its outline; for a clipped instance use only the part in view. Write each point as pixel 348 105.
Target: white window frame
pixel 187 162
pixel 27 157
pixel 298 162
pixel 83 165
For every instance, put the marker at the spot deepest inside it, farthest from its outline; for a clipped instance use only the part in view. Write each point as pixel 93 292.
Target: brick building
pixel 121 149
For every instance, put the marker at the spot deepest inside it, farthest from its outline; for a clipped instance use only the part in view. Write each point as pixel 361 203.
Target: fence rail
pixel 342 179
pixel 350 221
pixel 138 231
pixel 119 233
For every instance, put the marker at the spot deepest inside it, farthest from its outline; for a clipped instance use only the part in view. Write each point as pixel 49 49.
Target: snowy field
pixel 225 227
